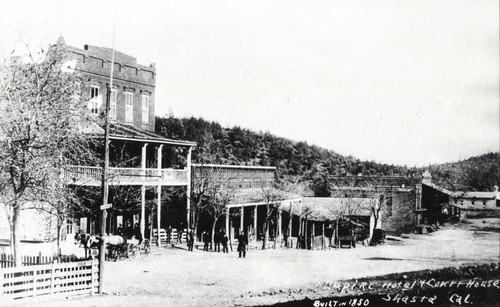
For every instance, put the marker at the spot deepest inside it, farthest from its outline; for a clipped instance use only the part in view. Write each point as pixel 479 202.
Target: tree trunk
pixel 275 235
pixel 213 233
pixel 305 234
pixel 196 214
pixel 264 239
pixel 289 230
pixel 15 234
pixel 336 242
pixel 151 221
pixel 373 232
pixel 60 223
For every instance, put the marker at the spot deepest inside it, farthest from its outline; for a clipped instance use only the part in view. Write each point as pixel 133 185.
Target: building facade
pixel 132 98
pixel 139 158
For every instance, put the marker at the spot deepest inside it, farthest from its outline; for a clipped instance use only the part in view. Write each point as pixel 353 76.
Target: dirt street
pixel 175 277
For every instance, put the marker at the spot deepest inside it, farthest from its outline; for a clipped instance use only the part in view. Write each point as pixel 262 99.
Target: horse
pixel 113 240
pixel 84 240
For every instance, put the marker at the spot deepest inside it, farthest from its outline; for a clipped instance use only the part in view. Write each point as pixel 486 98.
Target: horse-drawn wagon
pixel 117 247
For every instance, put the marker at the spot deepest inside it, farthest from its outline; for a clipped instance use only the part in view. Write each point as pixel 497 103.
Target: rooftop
pixel 129 133
pixel 329 208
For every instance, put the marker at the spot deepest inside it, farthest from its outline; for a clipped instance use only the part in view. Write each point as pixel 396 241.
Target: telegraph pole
pixel 105 184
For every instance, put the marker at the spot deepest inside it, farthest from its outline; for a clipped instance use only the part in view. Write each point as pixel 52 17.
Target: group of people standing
pixel 220 238
pixel 129 232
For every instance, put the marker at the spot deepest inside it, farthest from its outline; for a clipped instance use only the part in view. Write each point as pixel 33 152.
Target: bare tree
pixel 39 130
pixel 294 186
pixel 272 197
pixel 221 194
pixel 372 194
pixel 203 184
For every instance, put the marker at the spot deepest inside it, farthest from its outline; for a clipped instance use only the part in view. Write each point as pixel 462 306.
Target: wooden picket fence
pixel 173 236
pixel 50 280
pixel 8 261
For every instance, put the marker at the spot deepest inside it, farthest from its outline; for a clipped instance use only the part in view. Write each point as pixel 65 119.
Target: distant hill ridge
pixel 239 146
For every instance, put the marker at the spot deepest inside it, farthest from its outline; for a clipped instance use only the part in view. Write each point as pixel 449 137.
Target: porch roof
pixel 122 132
pixel 330 209
pixel 463 194
pixel 254 197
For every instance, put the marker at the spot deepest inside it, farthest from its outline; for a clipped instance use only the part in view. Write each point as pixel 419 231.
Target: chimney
pixel 426 177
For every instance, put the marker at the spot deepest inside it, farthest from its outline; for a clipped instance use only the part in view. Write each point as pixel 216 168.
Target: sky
pixel 393 81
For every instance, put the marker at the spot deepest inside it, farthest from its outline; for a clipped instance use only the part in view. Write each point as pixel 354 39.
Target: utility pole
pixel 105 189
pixel 105 184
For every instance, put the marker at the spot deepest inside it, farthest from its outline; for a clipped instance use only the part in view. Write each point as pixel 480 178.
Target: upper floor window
pixel 95 102
pixel 112 105
pixel 145 109
pixel 129 107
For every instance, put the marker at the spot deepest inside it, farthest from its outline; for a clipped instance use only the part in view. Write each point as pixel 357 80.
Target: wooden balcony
pixel 91 176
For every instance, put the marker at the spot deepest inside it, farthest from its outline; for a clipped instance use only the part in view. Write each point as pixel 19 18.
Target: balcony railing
pixel 91 176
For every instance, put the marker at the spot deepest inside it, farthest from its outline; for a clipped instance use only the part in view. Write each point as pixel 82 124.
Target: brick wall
pixel 399 217
pixel 128 76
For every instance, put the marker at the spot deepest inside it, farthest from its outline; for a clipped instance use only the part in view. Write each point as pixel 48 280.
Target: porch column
pixel 143 209
pixel 158 213
pixel 143 189
pixel 280 225
pixel 323 237
pixel 242 228
pixel 256 233
pixel 313 234
pixel 158 197
pixel 188 188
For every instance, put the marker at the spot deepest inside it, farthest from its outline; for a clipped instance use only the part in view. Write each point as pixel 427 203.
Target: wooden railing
pixel 55 279
pixel 236 175
pixel 91 175
pixel 8 261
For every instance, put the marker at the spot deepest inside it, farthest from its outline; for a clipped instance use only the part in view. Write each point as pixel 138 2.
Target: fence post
pixel 52 280
pixel 34 280
pixel 1 283
pixel 92 277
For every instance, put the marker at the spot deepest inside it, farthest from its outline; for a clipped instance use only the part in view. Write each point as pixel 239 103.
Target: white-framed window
pixel 145 109
pixel 95 102
pixel 129 107
pixel 112 105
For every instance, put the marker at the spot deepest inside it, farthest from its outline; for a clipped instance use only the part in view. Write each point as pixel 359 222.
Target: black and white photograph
pixel 319 153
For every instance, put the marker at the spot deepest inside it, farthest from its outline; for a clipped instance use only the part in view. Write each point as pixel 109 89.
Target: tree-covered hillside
pixel 238 146
pixel 479 173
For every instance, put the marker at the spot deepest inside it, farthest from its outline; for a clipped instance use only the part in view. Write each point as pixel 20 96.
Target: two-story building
pixel 139 158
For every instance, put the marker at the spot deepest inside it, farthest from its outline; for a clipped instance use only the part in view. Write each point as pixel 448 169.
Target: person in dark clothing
pixel 242 244
pixel 137 233
pixel 206 240
pixel 169 234
pixel 119 230
pixel 129 231
pixel 190 240
pixel 217 240
pixel 179 234
pixel 224 241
